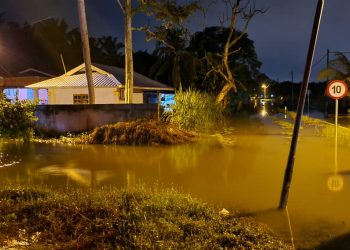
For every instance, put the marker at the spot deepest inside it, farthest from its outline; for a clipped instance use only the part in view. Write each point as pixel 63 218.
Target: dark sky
pixel 281 35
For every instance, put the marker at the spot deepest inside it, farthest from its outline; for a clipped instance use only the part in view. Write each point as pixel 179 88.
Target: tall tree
pixel 167 12
pixel 208 45
pixel 174 60
pixel 129 65
pixel 86 50
pixel 223 69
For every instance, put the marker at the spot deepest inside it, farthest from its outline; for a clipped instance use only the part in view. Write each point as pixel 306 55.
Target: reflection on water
pixel 239 168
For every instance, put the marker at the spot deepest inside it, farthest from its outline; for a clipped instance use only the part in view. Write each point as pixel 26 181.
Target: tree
pixel 143 62
pixel 219 63
pixel 338 68
pixel 174 60
pixel 209 44
pixel 167 12
pixel 109 51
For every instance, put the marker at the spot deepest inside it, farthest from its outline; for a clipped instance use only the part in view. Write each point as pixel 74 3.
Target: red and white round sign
pixel 337 89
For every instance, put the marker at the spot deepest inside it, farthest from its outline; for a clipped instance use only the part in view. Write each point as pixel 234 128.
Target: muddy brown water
pixel 240 168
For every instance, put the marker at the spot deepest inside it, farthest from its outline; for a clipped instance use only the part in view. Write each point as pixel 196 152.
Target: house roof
pixel 140 81
pixel 103 76
pixel 77 81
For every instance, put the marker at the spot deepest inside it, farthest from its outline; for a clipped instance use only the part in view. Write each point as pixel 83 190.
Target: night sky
pixel 281 35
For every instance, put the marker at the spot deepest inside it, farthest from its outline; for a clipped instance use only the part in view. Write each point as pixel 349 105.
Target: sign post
pixel 336 90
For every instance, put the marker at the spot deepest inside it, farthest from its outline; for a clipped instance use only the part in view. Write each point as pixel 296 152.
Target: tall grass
pixel 194 110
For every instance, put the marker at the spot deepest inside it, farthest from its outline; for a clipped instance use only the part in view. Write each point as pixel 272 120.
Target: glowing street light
pixel 264 87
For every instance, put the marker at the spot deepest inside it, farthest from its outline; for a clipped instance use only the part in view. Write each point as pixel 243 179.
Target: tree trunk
pixel 129 69
pixel 86 50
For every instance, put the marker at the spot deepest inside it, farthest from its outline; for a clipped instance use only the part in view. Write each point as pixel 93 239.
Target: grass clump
pixel 194 110
pixel 140 132
pixel 123 219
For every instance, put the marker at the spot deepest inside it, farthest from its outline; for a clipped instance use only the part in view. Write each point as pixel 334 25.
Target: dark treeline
pixel 41 45
pixel 184 59
pixel 180 59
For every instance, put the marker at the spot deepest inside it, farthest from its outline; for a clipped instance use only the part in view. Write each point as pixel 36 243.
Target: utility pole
pixel 86 50
pixel 129 69
pixel 301 103
pixel 327 64
pixel 292 75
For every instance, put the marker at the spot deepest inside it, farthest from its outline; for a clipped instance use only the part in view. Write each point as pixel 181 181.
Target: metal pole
pixel 290 164
pixel 86 50
pixel 336 138
pixel 308 103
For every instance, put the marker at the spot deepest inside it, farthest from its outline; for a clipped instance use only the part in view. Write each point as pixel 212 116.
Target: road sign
pixel 337 89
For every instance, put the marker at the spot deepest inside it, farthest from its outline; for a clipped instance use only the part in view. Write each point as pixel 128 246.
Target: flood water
pixel 240 168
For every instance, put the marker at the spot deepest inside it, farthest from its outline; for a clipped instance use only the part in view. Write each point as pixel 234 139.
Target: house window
pixel 81 99
pixel 122 94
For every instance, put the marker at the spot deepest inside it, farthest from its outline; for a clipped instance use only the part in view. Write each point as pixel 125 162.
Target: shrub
pixel 16 119
pixel 193 110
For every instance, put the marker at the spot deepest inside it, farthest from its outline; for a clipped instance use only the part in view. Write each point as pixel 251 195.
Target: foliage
pixel 209 43
pixel 194 110
pixel 169 12
pixel 175 64
pixel 16 119
pixel 136 218
pixel 338 68
pixel 41 44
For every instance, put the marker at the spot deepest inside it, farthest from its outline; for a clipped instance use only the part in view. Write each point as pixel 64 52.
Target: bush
pixel 193 110
pixel 16 119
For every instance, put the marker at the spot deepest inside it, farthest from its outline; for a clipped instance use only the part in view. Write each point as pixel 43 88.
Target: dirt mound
pixel 139 132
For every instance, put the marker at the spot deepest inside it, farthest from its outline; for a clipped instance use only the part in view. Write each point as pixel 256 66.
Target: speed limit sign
pixel 337 89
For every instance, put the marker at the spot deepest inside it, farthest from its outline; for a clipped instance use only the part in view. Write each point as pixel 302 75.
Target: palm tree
pixel 173 59
pixel 338 68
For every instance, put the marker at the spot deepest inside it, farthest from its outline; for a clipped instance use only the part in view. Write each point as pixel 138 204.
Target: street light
pixel 264 87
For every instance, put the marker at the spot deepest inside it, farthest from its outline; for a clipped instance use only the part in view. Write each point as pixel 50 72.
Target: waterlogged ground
pixel 238 168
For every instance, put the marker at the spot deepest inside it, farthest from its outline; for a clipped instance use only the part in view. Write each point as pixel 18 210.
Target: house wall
pixel 65 96
pixel 102 96
pixel 61 119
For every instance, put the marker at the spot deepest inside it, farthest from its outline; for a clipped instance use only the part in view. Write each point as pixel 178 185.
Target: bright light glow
pixel 264 86
pixel 263 112
pixel 335 183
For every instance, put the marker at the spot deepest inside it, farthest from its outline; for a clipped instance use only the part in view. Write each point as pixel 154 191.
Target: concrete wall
pixel 102 95
pixel 61 119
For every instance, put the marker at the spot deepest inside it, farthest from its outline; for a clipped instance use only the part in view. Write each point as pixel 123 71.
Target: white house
pixel 71 87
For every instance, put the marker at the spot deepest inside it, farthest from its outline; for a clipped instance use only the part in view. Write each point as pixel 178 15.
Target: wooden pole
pixel 129 69
pixel 63 64
pixel 159 104
pixel 301 103
pixel 86 50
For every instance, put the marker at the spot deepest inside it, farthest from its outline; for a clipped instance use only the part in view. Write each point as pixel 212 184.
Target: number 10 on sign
pixel 337 89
